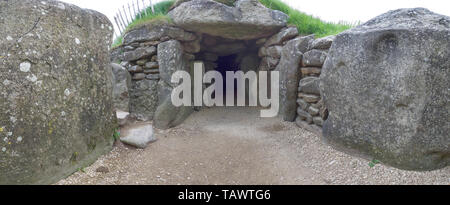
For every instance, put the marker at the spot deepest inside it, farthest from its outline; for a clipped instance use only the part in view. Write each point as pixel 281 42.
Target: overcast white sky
pixel 328 10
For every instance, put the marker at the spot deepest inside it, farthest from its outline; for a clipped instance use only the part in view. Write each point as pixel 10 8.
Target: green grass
pixel 305 23
pixel 160 14
pixel 148 17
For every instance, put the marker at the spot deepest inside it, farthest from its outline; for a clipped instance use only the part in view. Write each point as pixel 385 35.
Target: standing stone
pixel 171 59
pixel 144 98
pixel 121 87
pixel 386 86
pixel 56 106
pixel 289 78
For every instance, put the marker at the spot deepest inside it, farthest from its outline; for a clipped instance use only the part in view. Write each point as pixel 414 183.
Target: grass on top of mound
pixel 148 17
pixel 305 23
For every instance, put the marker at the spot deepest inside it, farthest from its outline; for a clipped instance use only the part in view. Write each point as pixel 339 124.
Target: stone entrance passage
pixel 252 40
pixel 224 64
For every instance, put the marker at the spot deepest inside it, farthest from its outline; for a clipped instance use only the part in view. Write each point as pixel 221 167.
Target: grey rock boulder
pixel 121 87
pixel 247 19
pixel 170 55
pixel 386 86
pixel 154 32
pixel 289 77
pixel 322 43
pixel 139 53
pixel 56 107
pixel 310 85
pixel 268 63
pixel 314 58
pixel 285 34
pixel 138 136
pixel 172 59
pixel 144 98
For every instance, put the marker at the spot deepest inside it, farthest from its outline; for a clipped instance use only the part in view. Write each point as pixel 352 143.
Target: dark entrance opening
pixel 224 64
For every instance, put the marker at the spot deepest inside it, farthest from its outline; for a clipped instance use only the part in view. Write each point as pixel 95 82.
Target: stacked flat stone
pixel 311 108
pixel 270 52
pixel 139 55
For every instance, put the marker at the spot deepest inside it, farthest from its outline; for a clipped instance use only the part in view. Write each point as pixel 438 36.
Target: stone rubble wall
pixel 139 55
pixel 311 108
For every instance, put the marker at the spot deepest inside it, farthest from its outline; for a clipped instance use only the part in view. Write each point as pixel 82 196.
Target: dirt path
pixel 235 146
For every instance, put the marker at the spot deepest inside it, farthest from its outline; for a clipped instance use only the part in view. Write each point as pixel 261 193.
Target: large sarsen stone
pixel 56 107
pixel 386 86
pixel 248 19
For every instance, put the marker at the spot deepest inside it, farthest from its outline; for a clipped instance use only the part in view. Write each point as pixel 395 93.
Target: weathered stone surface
pixel 250 61
pixel 135 69
pixel 138 76
pixel 307 126
pixel 322 43
pixel 310 85
pixel 306 42
pixel 289 78
pixel 385 84
pixel 139 53
pixel 141 62
pixel 248 19
pixel 172 59
pixel 313 111
pixel 115 54
pixel 121 87
pixel 56 106
pixel 152 76
pixel 268 63
pixel 318 121
pixel 151 65
pixel 152 32
pixel 138 136
pixel 144 98
pixel 302 104
pixel 170 55
pixel 303 115
pixel 168 116
pixel 260 41
pixel 151 71
pixel 323 112
pixel 309 98
pixel 310 71
pixel 314 58
pixel 122 117
pixel 273 51
pixel 192 46
pixel 282 36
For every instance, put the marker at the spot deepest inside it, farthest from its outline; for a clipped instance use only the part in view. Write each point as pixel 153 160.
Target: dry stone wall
pixel 139 55
pixel 311 109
